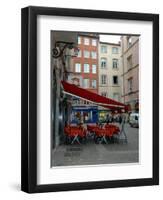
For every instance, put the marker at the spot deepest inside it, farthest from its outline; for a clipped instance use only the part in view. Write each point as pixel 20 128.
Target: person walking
pixel 120 119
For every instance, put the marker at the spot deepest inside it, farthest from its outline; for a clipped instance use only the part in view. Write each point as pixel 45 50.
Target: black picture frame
pixel 29 98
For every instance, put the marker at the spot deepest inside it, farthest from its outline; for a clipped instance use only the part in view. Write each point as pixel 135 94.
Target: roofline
pixel 109 43
pixel 88 35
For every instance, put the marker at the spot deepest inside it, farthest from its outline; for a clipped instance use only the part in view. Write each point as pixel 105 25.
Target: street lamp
pixel 60 46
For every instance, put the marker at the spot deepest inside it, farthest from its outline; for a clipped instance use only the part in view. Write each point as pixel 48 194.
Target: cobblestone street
pixel 91 153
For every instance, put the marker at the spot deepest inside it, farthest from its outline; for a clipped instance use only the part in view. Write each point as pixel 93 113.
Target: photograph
pixel 90 99
pixel 94 98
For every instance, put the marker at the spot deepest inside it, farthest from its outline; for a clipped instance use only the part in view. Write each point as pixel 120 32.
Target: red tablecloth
pixel 73 131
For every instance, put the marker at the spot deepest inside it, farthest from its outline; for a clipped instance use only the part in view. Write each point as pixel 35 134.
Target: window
pixel 104 94
pixel 79 40
pixel 94 42
pixel 93 83
pixel 93 54
pixel 86 54
pixel 116 96
pixel 115 63
pixel 86 41
pixel 115 80
pixel 86 83
pixel 103 49
pixel 75 101
pixel 93 69
pixel 103 62
pixel 130 80
pixel 129 62
pixel 86 102
pixel 86 68
pixel 77 67
pixel 79 53
pixel 114 50
pixel 103 79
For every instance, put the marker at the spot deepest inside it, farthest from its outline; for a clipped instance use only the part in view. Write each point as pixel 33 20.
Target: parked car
pixel 134 120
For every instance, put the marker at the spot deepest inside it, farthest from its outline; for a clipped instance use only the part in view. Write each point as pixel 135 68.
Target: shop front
pixel 84 114
pixel 91 112
pixel 103 116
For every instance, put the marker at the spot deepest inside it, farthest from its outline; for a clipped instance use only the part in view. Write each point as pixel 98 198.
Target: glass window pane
pixel 94 42
pixel 103 49
pixel 114 50
pixel 86 41
pixel 103 79
pixel 86 68
pixel 94 69
pixel 115 63
pixel 93 83
pixel 86 54
pixel 86 83
pixel 77 67
pixel 79 40
pixel 104 94
pixel 93 54
pixel 103 62
pixel 79 53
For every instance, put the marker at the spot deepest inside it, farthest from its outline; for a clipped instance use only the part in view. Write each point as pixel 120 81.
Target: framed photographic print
pixel 90 99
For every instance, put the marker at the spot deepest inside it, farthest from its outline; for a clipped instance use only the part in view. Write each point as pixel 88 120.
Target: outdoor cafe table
pixel 75 133
pixel 107 131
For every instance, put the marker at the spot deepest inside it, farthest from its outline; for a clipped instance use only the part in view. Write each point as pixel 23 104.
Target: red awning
pixel 97 99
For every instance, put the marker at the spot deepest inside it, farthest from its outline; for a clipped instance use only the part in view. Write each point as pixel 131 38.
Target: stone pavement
pixel 91 153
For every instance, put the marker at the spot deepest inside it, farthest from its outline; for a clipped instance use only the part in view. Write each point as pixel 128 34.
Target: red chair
pixel 100 135
pixel 105 134
pixel 92 128
pixel 74 133
pixel 114 128
pixel 67 130
pixel 108 132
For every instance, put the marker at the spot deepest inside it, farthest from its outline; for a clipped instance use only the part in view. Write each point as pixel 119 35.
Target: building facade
pixel 110 70
pixel 85 65
pixel 130 74
pixel 84 73
pixel 63 46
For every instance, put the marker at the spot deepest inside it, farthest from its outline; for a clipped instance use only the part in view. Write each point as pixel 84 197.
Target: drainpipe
pixel 123 68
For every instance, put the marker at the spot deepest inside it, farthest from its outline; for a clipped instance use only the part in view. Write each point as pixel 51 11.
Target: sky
pixel 110 38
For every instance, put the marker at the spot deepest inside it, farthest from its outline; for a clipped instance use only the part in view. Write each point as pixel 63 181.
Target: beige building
pixel 130 74
pixel 110 70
